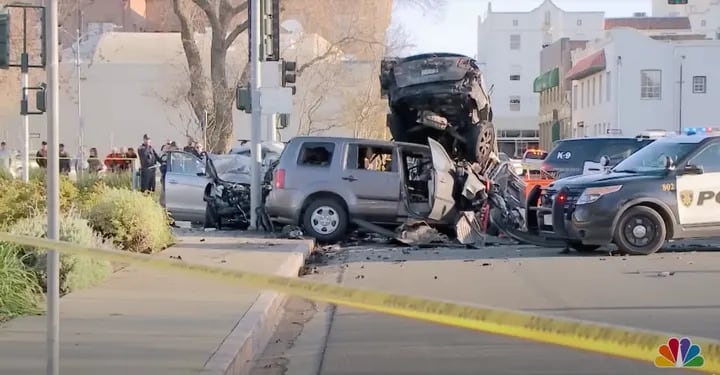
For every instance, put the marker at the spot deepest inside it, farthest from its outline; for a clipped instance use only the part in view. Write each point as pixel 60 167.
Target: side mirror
pixel 604 161
pixel 692 169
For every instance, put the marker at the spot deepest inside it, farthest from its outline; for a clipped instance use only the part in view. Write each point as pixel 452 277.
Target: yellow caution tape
pixel 618 341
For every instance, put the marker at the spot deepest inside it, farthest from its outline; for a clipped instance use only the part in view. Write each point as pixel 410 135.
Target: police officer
pixel 148 162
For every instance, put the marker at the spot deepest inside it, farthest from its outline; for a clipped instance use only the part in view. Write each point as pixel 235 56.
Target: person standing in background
pixel 41 155
pixel 130 157
pixel 148 163
pixel 5 157
pixel 64 161
pixel 93 162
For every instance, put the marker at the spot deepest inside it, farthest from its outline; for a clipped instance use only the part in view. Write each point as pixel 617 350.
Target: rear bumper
pixel 284 206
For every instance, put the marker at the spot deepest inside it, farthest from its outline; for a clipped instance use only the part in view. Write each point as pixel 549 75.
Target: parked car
pixel 533 159
pixel 214 189
pixel 322 183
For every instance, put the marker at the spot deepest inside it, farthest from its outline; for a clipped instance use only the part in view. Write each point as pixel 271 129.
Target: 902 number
pixel 668 187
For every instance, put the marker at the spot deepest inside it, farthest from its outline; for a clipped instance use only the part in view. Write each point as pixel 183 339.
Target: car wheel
pixel 326 220
pixel 581 247
pixel 480 141
pixel 640 231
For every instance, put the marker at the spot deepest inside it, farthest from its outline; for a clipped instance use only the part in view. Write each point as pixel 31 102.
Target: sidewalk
pixel 147 322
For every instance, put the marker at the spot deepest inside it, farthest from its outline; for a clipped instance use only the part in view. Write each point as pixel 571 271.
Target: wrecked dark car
pixel 441 96
pixel 213 190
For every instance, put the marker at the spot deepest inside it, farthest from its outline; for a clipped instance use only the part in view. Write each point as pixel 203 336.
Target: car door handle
pixel 349 178
pixel 172 182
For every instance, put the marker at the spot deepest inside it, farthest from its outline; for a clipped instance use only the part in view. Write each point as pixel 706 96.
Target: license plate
pixel 427 72
pixel 547 219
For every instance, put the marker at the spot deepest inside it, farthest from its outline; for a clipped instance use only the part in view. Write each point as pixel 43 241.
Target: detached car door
pixel 185 182
pixel 441 196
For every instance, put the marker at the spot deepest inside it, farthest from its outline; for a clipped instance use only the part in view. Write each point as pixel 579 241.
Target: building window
pixel 515 22
pixel 548 18
pixel 575 97
pixel 600 83
pixel 515 71
pixel 515 41
pixel 579 22
pixel 608 86
pixel 650 84
pixel 699 84
pixel 593 91
pixel 582 95
pixel 515 103
pixel 703 23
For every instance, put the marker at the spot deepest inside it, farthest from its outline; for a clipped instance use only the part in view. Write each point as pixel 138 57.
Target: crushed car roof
pixel 429 55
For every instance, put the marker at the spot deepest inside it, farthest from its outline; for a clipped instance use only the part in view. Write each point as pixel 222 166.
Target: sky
pixel 429 32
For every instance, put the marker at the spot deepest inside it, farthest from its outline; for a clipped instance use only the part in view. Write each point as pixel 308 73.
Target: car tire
pixel 581 247
pixel 480 141
pixel 335 218
pixel 640 231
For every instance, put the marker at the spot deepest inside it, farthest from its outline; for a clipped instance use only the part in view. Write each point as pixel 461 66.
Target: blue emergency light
pixel 692 131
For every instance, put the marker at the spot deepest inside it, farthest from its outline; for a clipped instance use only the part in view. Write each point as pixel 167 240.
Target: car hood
pixel 231 168
pixel 601 179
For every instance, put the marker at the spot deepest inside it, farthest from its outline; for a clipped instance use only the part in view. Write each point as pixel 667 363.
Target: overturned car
pixel 441 96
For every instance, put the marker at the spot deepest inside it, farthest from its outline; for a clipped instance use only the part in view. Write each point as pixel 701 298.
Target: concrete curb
pixel 253 331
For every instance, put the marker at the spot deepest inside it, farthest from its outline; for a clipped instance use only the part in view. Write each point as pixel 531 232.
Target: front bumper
pixel 591 224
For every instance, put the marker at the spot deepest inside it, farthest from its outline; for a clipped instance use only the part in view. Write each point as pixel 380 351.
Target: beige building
pixel 554 89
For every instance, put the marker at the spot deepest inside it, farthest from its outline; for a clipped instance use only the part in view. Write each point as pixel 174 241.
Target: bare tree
pixel 317 114
pixel 398 40
pixel 426 6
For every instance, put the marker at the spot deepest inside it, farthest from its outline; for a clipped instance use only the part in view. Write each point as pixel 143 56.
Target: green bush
pixel 133 220
pixel 19 200
pixel 76 272
pixel 38 174
pixel 5 175
pixel 118 180
pixel 20 293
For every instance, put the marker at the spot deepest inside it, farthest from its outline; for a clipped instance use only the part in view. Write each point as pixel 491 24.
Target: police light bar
pixel 702 130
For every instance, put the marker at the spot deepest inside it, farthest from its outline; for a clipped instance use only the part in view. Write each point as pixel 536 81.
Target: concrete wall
pixel 630 113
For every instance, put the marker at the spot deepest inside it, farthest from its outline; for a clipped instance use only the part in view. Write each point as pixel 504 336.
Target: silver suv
pixel 322 183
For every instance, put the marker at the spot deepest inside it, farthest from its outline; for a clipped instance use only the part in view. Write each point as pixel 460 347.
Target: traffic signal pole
pixel 25 79
pixel 256 39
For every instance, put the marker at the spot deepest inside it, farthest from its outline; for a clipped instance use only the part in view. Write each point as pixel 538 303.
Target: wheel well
pixel 669 227
pixel 320 195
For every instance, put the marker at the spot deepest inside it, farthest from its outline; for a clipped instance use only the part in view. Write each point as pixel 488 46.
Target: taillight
pixel 280 179
pixel 561 197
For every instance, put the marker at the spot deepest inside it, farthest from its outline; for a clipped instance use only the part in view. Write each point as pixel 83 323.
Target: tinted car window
pixel 568 157
pixel 316 154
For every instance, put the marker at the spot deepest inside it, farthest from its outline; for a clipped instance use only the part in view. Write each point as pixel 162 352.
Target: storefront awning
pixel 547 80
pixel 587 66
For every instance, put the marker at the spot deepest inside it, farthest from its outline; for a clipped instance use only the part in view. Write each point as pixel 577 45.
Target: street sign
pixel 35 135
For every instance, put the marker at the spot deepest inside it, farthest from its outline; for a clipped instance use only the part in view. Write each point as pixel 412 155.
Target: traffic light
pixel 289 74
pixel 271 29
pixel 677 2
pixel 4 40
pixel 243 99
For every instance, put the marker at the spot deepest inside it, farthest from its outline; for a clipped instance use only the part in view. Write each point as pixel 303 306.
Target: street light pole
pixel 81 124
pixel 53 188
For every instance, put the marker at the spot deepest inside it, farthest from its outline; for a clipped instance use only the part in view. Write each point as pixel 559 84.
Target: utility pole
pixel 256 40
pixel 81 124
pixel 25 78
pixel 53 188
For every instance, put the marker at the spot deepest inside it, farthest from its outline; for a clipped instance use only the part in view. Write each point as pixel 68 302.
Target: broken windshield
pixel 433 69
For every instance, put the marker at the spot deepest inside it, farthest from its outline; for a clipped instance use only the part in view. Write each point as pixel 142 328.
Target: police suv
pixel 670 189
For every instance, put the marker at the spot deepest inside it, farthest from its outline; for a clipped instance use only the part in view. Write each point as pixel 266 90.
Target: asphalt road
pixel 632 291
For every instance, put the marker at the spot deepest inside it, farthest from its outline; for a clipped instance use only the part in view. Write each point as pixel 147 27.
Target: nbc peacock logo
pixel 679 353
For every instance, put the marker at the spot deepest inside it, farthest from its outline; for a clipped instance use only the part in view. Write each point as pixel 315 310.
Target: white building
pixel 704 15
pixel 509 44
pixel 630 82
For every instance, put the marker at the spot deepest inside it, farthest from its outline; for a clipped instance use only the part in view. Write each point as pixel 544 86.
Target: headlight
pixel 592 194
